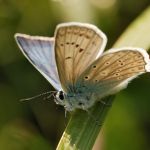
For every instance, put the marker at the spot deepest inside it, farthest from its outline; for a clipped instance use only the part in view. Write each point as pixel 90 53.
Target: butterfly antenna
pixel 39 95
pixel 52 94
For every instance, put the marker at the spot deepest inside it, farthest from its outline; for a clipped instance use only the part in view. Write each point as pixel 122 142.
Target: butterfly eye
pixel 61 95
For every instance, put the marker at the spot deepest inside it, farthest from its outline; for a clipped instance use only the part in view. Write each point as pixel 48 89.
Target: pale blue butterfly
pixel 73 63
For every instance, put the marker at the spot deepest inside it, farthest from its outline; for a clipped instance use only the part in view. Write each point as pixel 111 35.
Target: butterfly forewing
pixel 76 48
pixel 40 52
pixel 112 69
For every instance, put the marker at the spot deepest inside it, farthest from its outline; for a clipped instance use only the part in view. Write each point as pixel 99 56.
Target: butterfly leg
pixel 104 103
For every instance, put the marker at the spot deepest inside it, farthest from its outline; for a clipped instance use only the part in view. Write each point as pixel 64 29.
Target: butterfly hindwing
pixel 77 46
pixel 40 52
pixel 113 70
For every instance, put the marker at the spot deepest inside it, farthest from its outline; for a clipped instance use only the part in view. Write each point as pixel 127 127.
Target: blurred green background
pixel 38 124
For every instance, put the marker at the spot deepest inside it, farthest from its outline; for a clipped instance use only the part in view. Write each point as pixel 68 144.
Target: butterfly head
pixel 62 99
pixel 60 96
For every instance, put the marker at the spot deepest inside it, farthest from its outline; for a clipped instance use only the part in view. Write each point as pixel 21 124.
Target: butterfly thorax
pixel 72 101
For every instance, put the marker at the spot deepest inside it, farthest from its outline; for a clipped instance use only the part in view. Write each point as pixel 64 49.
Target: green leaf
pixel 83 128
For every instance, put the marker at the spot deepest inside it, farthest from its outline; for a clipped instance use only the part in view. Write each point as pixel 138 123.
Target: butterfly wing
pixel 113 70
pixel 77 46
pixel 40 52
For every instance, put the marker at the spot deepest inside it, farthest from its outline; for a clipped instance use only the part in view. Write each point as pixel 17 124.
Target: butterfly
pixel 74 63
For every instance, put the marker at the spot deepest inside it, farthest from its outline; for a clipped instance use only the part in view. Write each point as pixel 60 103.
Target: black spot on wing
pixel 68 57
pixel 80 50
pixel 77 45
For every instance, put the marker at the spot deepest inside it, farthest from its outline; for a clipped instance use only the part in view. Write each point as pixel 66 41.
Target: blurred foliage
pixel 39 123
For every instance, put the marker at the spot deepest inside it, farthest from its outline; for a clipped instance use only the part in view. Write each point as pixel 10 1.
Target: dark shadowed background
pixel 38 124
